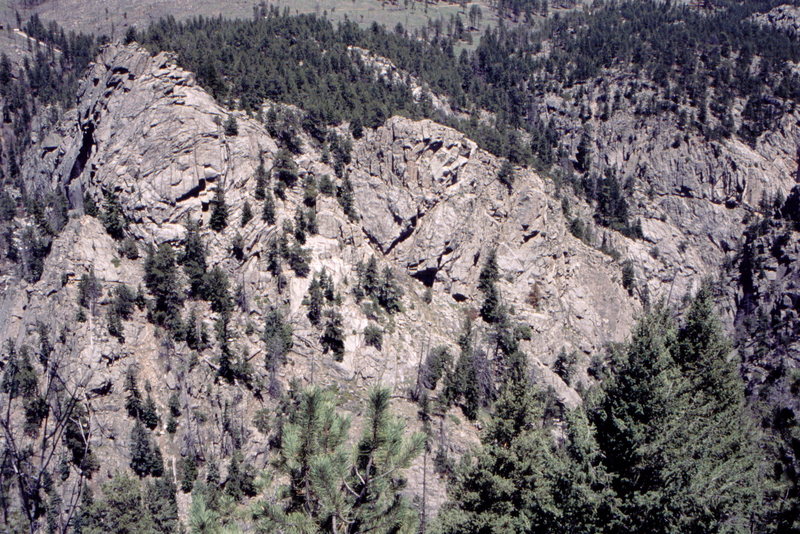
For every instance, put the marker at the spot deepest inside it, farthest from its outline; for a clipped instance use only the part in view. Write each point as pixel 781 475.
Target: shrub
pixel 333 336
pixel 128 249
pixel 231 126
pixel 373 336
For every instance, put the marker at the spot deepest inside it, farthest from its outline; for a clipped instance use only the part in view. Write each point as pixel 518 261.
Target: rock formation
pixel 429 207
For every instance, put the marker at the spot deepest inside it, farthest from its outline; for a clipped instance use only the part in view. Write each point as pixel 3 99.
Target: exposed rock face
pixel 429 206
pixel 692 194
pixel 763 291
pixel 785 17
pixel 431 202
pixel 146 131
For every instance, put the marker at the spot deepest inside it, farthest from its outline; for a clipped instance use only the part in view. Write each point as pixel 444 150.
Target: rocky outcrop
pixel 693 194
pixel 429 207
pixel 385 69
pixel 431 203
pixel 785 17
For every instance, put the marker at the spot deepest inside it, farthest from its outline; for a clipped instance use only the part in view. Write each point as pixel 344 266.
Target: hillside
pixel 278 275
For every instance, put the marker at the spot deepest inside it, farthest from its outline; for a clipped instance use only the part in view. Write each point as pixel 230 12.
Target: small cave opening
pixel 459 297
pixel 87 144
pixel 426 276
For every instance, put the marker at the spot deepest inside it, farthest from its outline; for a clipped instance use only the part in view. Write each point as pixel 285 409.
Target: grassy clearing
pixel 112 17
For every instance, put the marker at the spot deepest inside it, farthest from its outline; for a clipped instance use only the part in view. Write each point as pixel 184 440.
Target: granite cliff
pixel 427 205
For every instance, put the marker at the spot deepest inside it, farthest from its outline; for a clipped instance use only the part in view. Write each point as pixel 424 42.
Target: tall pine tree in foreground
pixel 333 488
pixel 673 427
pixel 719 441
pixel 667 445
pixel 376 481
pixel 313 459
pixel 509 486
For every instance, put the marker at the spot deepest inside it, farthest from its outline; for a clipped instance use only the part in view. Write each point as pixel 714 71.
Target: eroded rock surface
pixel 429 206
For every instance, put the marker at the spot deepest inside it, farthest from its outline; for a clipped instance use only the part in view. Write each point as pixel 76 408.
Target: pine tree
pixel 506 174
pixel 161 503
pixel 175 404
pixel 146 457
pixel 437 362
pixel 129 249
pixel 300 225
pixel 299 259
pixel 113 217
pixel 247 213
pixel 76 439
pixel 120 511
pixel 149 414
pixel 716 438
pixel 227 363
pixel 133 399
pixel 217 290
pixel 332 488
pixel 310 191
pixel 346 197
pixel 284 169
pixel 277 337
pixel 373 336
pixel 511 485
pixel 368 278
pixel 219 215
pixel 211 490
pixel 583 493
pixel 195 332
pixel 333 335
pixel 240 482
pixel 315 300
pixel 19 376
pixel 583 156
pixel 461 385
pixel 89 205
pixel 202 518
pixel 376 477
pixel 491 308
pixel 389 292
pixel 115 327
pixel 674 432
pixel 268 210
pixel 261 181
pixel 89 290
pixel 702 352
pixel 326 186
pixel 637 401
pixel 160 278
pixel 188 470
pixel 314 458
pixel 231 126
pixel 123 301
pixel 193 259
pixel 326 284
pixel 237 246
